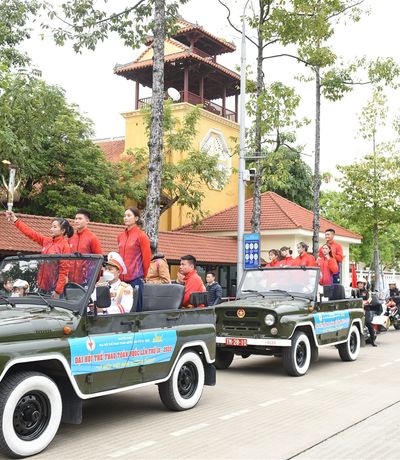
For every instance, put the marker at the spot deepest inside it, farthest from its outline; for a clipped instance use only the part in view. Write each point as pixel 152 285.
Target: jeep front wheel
pixel 223 358
pixel 184 388
pixel 349 350
pixel 296 359
pixel 30 408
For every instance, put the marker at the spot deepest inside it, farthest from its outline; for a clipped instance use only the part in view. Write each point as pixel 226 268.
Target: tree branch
pixel 228 18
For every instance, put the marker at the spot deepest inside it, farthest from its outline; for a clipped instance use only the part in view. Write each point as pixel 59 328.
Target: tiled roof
pixel 206 249
pixel 121 69
pixel 277 213
pixel 113 148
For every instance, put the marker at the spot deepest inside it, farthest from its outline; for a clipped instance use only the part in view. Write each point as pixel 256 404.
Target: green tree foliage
pixel 60 167
pixel 14 15
pixel 285 173
pixel 185 171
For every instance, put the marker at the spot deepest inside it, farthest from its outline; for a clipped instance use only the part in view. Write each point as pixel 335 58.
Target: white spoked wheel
pixel 184 388
pixel 349 350
pixel 30 413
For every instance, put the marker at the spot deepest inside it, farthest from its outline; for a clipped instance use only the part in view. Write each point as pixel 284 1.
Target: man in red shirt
pixel 85 242
pixel 337 251
pixel 193 282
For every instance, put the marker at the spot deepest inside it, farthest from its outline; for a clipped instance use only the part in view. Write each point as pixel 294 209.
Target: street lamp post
pixel 242 165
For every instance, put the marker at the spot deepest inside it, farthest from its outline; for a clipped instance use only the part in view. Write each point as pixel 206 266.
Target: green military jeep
pixel 54 354
pixel 279 312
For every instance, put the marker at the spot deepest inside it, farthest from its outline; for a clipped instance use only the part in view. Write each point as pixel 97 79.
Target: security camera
pixel 252 173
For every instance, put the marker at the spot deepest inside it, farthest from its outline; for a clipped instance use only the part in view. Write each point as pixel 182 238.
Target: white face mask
pixel 15 294
pixel 107 276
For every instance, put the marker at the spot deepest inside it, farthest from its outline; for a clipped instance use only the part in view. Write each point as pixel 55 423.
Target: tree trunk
pixel 152 214
pixel 317 172
pixel 256 216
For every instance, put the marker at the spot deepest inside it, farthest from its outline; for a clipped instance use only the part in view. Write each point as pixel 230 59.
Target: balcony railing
pixel 195 99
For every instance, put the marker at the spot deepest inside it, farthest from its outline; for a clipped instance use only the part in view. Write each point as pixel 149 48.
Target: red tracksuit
pixel 328 269
pixel 193 283
pixel 134 248
pixel 51 276
pixel 286 262
pixel 85 242
pixel 305 260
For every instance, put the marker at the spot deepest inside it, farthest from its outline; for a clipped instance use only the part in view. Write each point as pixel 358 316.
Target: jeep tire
pixel 296 358
pixel 184 388
pixel 349 350
pixel 223 358
pixel 31 409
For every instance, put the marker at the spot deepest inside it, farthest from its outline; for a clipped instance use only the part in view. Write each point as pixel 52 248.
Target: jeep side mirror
pixel 103 297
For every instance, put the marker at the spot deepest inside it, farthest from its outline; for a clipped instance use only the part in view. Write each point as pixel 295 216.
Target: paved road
pixel 255 412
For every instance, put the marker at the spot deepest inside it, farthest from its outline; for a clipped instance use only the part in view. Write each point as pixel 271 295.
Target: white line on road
pixel 397 360
pixel 133 448
pixel 271 401
pixel 368 370
pixel 329 382
pixel 385 364
pixel 302 392
pixel 189 429
pixel 234 414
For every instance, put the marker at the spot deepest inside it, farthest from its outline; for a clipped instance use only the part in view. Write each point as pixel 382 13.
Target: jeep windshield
pixel 39 280
pixel 290 281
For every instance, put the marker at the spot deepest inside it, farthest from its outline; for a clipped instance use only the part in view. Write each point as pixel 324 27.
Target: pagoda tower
pixel 191 69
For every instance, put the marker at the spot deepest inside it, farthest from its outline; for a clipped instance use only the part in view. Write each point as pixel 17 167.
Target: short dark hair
pixel 303 245
pixel 191 259
pixel 330 230
pixel 83 211
pixel 210 273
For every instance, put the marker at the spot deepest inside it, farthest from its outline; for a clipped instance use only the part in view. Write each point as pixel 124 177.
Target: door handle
pixel 134 325
pixel 173 318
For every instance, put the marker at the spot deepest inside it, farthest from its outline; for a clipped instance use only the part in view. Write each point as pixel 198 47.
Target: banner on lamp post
pixel 251 246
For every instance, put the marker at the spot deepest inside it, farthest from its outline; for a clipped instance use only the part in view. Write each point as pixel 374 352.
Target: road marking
pixel 302 392
pixel 234 414
pixel 133 448
pixel 350 376
pixel 397 360
pixel 329 382
pixel 189 429
pixel 368 370
pixel 271 401
pixel 385 364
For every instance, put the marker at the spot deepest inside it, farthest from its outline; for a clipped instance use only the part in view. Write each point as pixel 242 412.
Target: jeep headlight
pixel 269 319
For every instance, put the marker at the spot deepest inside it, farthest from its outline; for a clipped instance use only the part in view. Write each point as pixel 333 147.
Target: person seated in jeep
pixel 121 293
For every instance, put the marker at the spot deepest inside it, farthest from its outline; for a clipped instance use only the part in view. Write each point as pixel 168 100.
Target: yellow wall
pixel 215 200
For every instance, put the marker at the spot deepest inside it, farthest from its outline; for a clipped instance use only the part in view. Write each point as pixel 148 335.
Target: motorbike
pixel 393 314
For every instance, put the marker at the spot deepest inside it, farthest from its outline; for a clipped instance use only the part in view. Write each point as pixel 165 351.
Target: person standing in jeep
pixel 85 242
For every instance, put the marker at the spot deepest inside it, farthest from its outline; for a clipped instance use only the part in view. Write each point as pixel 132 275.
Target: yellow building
pixel 192 77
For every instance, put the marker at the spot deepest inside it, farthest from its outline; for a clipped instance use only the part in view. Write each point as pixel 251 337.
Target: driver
pixel 20 288
pixel 121 293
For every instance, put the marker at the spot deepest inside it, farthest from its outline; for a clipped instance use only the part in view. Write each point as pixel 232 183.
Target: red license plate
pixel 236 342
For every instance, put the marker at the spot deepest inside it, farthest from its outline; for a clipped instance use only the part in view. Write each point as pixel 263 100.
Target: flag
pixel 353 276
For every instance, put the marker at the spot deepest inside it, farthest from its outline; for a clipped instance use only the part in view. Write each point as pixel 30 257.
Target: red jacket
pixel 305 260
pixel 328 268
pixel 85 242
pixel 274 263
pixel 337 251
pixel 51 276
pixel 193 283
pixel 286 262
pixel 134 248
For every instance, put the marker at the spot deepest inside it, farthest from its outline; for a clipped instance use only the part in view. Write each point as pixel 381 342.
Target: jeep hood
pixel 279 305
pixel 30 323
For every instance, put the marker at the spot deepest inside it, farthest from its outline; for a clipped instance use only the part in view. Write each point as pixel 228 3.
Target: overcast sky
pixel 89 81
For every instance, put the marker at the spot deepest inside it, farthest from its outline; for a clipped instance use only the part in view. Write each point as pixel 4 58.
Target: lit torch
pixel 11 187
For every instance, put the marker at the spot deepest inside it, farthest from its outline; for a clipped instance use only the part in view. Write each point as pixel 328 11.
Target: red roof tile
pixel 112 148
pixel 206 249
pixel 277 213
